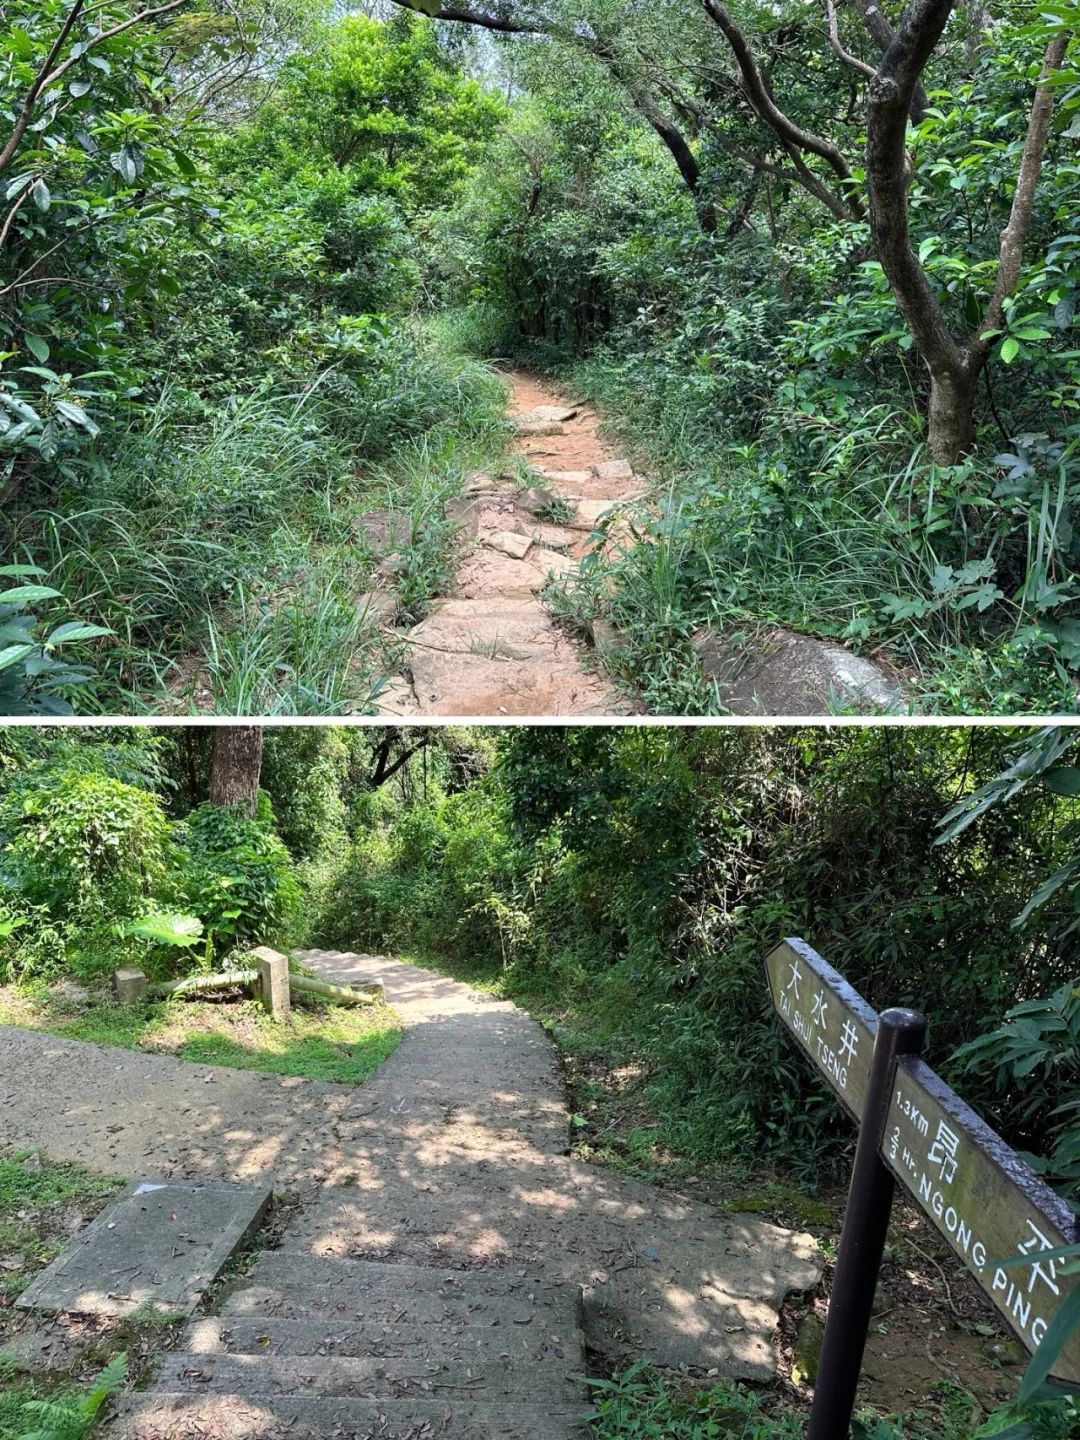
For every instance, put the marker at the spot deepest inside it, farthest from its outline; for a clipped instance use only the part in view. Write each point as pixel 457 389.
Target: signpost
pixel 980 1195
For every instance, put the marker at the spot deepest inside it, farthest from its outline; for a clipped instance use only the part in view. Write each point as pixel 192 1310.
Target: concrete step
pixel 298 1286
pixel 299 1271
pixel 397 1309
pixel 468 1344
pixel 173 1416
pixel 369 1377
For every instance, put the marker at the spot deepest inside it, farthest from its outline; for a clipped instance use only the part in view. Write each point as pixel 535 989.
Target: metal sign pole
pixel 862 1241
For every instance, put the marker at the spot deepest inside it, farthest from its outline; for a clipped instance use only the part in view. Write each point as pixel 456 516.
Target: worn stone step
pixel 392 1308
pixel 514 626
pixel 300 1271
pixel 375 1377
pixel 176 1416
pixel 466 1344
pixel 301 1286
pixel 453 684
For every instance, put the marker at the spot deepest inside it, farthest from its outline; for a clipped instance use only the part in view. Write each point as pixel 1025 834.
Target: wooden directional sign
pixel 830 1020
pixel 987 1203
pixel 980 1195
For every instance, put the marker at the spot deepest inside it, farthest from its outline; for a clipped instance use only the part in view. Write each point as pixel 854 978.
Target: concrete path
pixel 449 1253
pixel 491 648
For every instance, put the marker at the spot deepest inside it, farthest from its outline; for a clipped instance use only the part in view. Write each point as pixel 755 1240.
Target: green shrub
pixel 237 877
pixel 81 843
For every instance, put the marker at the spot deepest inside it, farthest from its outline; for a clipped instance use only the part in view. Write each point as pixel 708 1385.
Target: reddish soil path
pixel 491 647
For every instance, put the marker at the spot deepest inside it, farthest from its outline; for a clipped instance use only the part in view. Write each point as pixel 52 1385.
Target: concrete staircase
pixel 356 1350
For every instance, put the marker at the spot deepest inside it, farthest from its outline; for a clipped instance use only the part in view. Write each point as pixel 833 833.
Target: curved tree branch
pixel 883 34
pixel 26 110
pixel 837 47
pixel 480 18
pixel 667 131
pixel 890 96
pixel 48 76
pixel 757 93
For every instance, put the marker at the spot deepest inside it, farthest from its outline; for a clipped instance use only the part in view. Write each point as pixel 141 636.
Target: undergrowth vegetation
pixel 339 1046
pixel 246 262
pixel 627 884
pixel 750 341
pixel 233 369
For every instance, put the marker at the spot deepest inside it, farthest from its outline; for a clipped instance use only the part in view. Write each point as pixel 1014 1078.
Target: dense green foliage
pixel 212 363
pixel 246 247
pixel 634 880
pixel 87 851
pixel 762 366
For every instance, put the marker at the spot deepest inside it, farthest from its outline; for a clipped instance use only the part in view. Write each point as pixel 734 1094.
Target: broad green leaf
pixel 164 929
pixel 1065 781
pixel 1010 348
pixel 13 654
pixel 38 347
pixel 29 595
pixel 77 630
pixel 1053 1342
pixel 42 197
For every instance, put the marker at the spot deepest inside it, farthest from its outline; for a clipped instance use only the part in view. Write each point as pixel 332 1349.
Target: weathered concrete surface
pixel 780 672
pixel 452 1157
pixel 294 1417
pixel 159 1244
pixel 482 1105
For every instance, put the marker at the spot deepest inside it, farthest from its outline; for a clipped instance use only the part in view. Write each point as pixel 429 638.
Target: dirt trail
pixel 491 648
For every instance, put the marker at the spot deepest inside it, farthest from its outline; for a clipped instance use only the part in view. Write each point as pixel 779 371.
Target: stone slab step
pixel 488 573
pixel 173 1416
pixel 303 1286
pixel 516 627
pixel 346 1306
pixel 455 684
pixel 302 1272
pixel 158 1244
pixel 466 1344
pixel 372 1377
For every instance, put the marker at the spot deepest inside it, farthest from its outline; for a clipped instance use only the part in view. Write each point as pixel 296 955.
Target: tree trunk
pixel 951 431
pixel 237 765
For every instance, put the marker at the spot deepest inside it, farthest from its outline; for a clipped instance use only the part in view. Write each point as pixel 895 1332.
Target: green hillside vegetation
pixel 257 261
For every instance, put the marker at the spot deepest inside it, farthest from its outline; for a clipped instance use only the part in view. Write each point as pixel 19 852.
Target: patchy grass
pixel 41 1203
pixel 321 1043
pixel 643 1402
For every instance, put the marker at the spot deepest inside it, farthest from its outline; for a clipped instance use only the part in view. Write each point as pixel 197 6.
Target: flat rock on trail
pixel 444 1231
pixel 502 654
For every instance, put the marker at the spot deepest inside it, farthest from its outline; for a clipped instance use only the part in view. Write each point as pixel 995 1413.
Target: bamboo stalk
pixel 337 994
pixel 195 984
